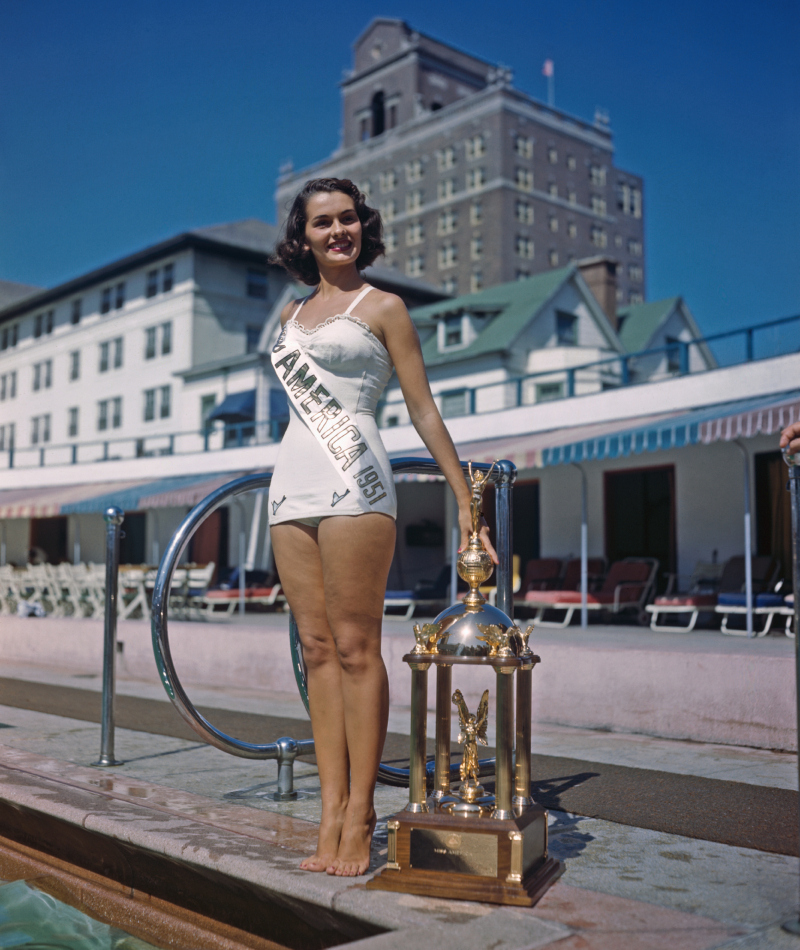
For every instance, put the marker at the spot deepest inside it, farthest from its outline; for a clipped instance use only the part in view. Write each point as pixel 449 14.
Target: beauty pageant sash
pixel 311 389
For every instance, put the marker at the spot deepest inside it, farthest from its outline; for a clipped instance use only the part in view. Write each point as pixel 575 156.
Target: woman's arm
pixel 402 342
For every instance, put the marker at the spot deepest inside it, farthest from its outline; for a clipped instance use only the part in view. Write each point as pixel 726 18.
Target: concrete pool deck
pixel 624 886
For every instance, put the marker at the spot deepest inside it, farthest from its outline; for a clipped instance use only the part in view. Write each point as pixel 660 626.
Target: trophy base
pixel 464 857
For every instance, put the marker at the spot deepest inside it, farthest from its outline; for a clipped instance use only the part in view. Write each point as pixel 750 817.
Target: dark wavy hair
pixel 297 259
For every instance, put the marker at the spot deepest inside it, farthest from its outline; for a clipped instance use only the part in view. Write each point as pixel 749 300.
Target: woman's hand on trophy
pixel 790 437
pixel 465 525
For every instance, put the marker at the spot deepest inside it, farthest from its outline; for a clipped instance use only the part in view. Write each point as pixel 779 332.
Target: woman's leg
pixel 297 558
pixel 356 555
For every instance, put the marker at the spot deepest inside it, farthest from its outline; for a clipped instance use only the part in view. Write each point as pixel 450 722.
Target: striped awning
pixel 188 494
pixel 741 419
pixel 47 502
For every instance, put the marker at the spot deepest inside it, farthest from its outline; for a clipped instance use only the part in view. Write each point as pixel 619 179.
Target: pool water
pixel 31 920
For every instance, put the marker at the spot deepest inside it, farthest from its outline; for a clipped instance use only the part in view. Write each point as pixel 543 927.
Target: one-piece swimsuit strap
pixel 360 296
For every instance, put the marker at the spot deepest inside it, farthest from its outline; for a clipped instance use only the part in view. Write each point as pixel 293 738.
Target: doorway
pixel 131 542
pixel 640 517
pixel 50 536
pixel 524 519
pixel 210 543
pixel 773 510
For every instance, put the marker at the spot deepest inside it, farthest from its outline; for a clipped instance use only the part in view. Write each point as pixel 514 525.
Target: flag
pixel 548 69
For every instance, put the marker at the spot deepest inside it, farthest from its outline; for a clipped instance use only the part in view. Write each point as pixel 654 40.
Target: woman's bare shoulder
pixel 289 309
pixel 383 305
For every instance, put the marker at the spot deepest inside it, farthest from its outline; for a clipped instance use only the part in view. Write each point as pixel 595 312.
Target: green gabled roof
pixel 641 320
pixel 515 303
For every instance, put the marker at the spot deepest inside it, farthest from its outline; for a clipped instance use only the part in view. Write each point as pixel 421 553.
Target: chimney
pixel 600 273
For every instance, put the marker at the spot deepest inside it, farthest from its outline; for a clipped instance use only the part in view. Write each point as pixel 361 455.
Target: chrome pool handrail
pixel 503 477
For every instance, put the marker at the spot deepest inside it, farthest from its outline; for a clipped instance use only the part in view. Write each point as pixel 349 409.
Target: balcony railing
pixel 733 347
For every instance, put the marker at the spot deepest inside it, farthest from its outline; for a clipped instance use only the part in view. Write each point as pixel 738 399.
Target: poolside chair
pixel 434 595
pixel 541 573
pixel 628 586
pixel 767 602
pixel 261 587
pixel 700 597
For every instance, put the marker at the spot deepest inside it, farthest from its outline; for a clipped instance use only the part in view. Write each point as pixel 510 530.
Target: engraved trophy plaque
pixel 467 844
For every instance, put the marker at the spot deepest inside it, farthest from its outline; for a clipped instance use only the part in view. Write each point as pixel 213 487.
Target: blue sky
pixel 124 123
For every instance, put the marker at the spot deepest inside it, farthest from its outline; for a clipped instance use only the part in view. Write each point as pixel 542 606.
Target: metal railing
pixel 619 370
pixel 285 750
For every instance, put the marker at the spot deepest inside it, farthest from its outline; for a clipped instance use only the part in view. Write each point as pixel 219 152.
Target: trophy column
pixel 444 687
pixel 504 742
pixel 522 777
pixel 419 734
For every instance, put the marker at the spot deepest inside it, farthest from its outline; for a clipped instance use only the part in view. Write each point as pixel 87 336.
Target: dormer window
pixel 567 329
pixel 453 331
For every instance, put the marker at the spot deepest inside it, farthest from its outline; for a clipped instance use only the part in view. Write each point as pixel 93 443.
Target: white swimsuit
pixel 306 485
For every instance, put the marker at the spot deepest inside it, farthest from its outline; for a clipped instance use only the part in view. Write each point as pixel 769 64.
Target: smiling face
pixel 333 229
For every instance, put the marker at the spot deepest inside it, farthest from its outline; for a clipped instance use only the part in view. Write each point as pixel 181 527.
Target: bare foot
pixel 352 858
pixel 330 833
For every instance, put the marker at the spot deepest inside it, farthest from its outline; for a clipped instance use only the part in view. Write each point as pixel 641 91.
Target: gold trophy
pixel 470 845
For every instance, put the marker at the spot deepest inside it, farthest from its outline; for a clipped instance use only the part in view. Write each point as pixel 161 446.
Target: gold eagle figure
pixel 473 731
pixel 427 636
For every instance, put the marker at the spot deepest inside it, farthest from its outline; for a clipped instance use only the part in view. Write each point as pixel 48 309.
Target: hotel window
pixel 152 283
pixel 119 297
pixel 476 248
pixel 446 189
pixel 75 316
pixel 72 422
pixel 105 300
pixel 552 190
pixel 12 384
pixel 552 155
pixel 42 375
pixel 415 266
pixel 598 204
pixel 49 321
pixel 4 339
pixel 40 429
pixel 150 343
pixel 572 197
pixel 454 403
pixel 635 247
pixel 547 391
pixel 572 229
pixel 524 247
pixel 449 285
pixel 475 213
pixel 476 178
pixel 447 222
pixel 598 236
pixel 524 179
pixel 553 222
pixel 365 187
pixel 168 280
pixel 363 129
pixel 117 352
pixel 256 283
pixel 522 274
pixel 105 349
pixel 475 281
pixel 475 146
pixel 14 333
pixel 116 412
pixel 453 330
pixel 165 409
pixel 391 121
pixel 635 272
pixel 635 297
pixel 629 200
pixel 166 338
pixel 566 329
pixel 617 240
pixel 415 233
pixel 414 170
pixel 38 323
pixel 571 163
pixel 414 201
pixel 389 211
pixel 390 241
pixel 448 256
pixel 552 257
pixel 388 180
pixel 102 415
pixel 597 175
pixel 523 146
pixel 10 430
pixel 524 212
pixel 149 405
pixel 3 387
pixel 446 158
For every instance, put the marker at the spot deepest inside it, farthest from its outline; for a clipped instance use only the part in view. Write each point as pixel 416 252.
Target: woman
pixel 332 500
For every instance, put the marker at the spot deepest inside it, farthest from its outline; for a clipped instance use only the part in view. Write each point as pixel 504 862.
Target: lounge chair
pixel 767 602
pixel 432 594
pixel 541 573
pixel 261 588
pixel 700 597
pixel 628 586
